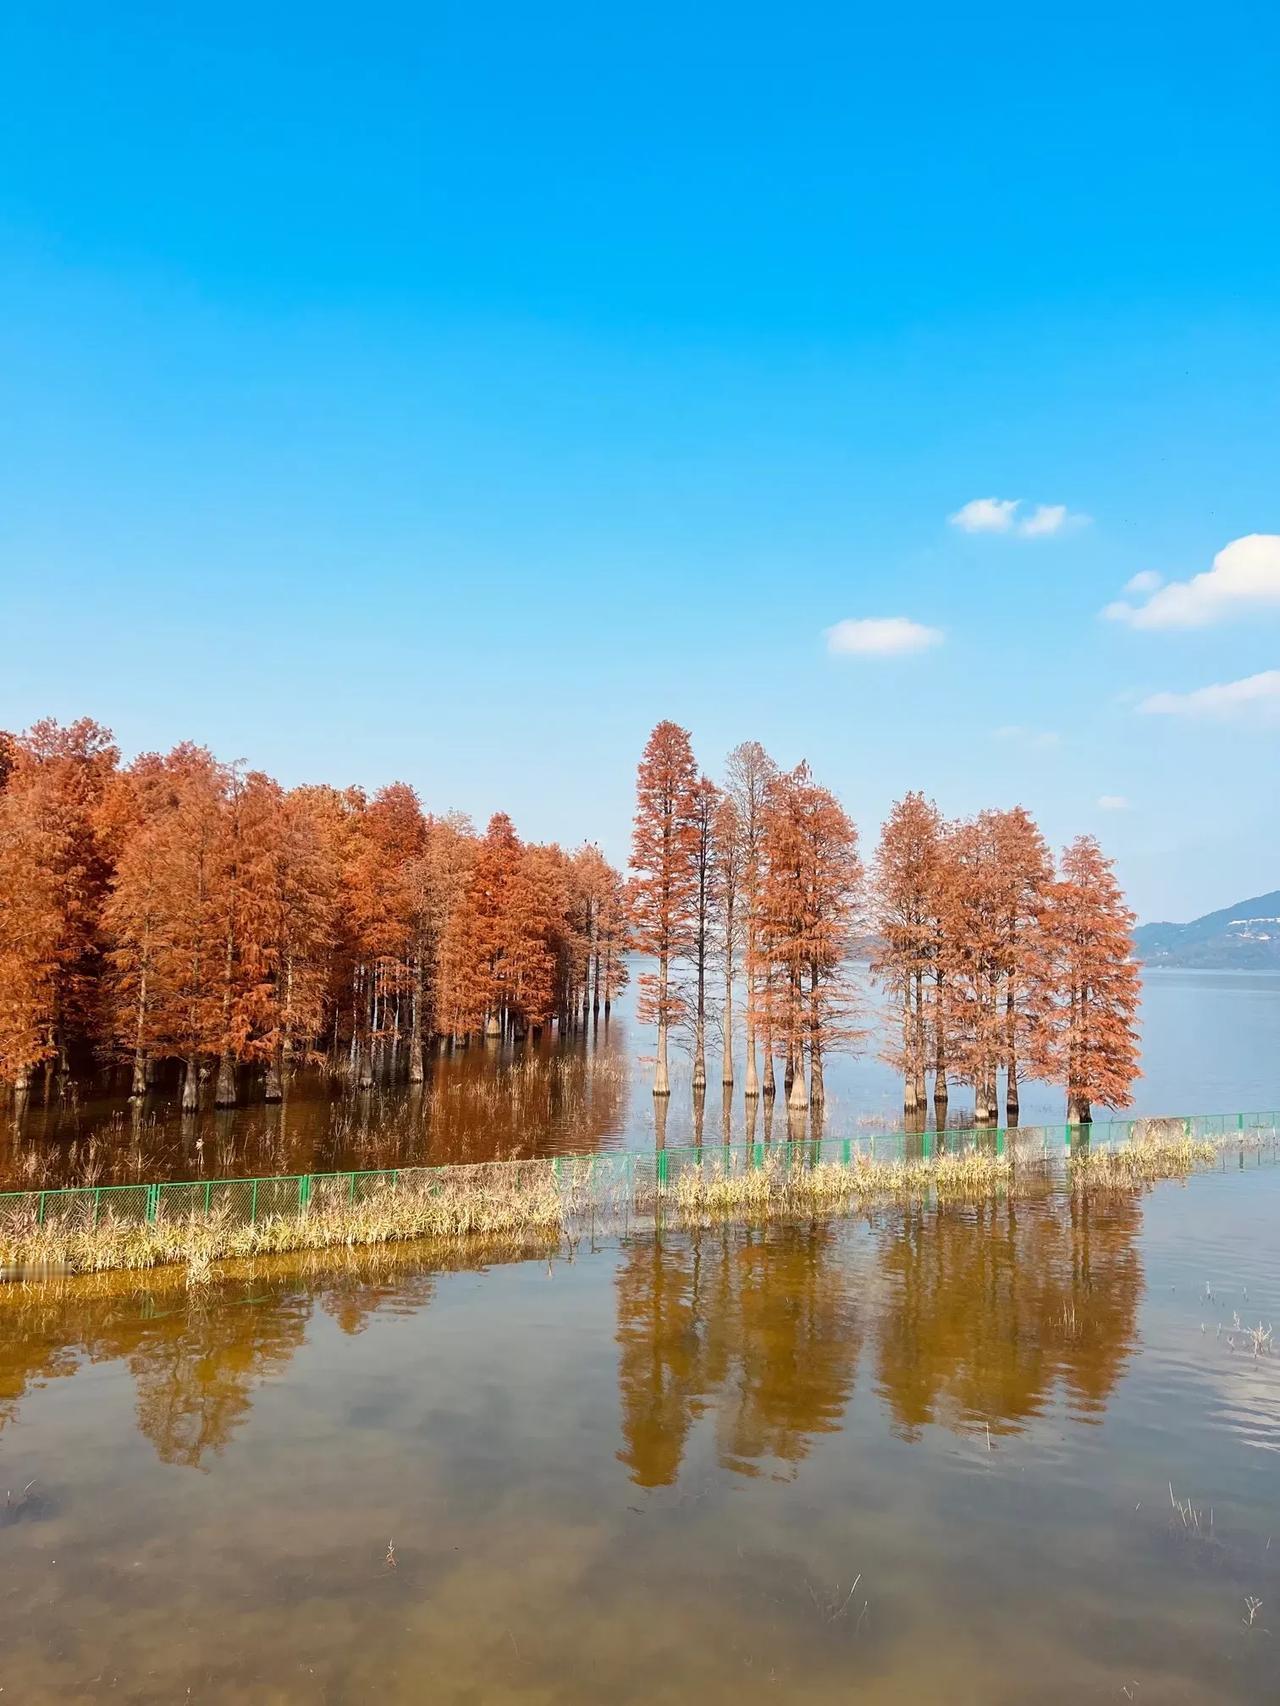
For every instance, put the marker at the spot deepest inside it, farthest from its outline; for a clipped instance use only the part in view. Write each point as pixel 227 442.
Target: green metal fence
pixel 629 1172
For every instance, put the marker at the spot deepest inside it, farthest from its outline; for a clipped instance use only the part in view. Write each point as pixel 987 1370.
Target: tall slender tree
pixel 726 848
pixel 706 798
pixel 748 773
pixel 810 897
pixel 1093 1038
pixel 907 889
pixel 664 893
pixel 1023 872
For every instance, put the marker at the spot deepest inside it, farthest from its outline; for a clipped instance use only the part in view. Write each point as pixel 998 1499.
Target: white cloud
pixel 1038 740
pixel 1146 581
pixel 880 636
pixel 1000 515
pixel 1254 699
pixel 1046 519
pixel 1113 802
pixel 985 515
pixel 1245 576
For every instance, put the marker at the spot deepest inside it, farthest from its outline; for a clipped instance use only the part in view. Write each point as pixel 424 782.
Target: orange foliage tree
pixel 1091 1042
pixel 810 896
pixel 910 874
pixel 664 892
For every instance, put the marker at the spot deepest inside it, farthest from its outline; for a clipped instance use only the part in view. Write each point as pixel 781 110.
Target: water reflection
pixel 488 1103
pixel 976 1317
pixel 989 1310
pixel 196 1357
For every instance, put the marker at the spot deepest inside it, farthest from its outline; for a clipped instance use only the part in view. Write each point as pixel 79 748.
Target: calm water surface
pixel 1209 1046
pixel 919 1456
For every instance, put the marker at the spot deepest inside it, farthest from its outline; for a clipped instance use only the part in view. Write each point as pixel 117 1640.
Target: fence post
pixel 153 1201
pixel 253 1205
pixel 97 1203
pixel 304 1190
pixel 40 1210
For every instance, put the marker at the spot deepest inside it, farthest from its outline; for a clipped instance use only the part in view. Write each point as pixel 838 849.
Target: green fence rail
pixel 250 1200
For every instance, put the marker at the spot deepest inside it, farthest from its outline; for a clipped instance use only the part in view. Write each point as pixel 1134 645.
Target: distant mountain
pixel 1244 937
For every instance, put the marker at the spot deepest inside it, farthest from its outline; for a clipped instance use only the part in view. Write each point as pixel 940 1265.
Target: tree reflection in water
pixel 976 1316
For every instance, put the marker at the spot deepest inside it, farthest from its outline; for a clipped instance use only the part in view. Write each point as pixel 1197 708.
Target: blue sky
pixel 449 393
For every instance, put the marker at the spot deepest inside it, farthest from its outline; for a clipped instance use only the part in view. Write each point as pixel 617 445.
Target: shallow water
pixel 1208 1047
pixel 656 1471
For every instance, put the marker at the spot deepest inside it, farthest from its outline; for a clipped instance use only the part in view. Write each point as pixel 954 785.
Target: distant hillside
pixel 1244 937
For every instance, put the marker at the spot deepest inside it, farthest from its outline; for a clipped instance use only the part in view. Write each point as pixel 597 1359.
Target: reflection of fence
pixel 626 1172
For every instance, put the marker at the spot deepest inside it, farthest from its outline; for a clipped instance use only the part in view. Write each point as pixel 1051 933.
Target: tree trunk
pixel 909 1101
pixel 1011 1104
pixel 417 1071
pixel 817 1087
pixel 751 1084
pixel 921 1092
pixel 191 1086
pixel 661 1082
pixel 138 1088
pixel 798 1094
pixel 941 1089
pixel 224 1095
pixel 273 1090
pixel 726 1060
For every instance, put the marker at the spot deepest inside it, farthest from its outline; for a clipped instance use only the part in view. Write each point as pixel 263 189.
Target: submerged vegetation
pixel 537 1205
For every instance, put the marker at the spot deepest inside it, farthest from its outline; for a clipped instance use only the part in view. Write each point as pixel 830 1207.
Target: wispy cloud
pixel 881 637
pixel 1146 580
pixel 1245 577
pixel 1036 740
pixel 1000 515
pixel 985 515
pixel 1254 699
pixel 1113 803
pixel 1046 519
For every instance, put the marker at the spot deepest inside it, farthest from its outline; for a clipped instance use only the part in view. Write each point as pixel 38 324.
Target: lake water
pixel 1211 1044
pixel 920 1455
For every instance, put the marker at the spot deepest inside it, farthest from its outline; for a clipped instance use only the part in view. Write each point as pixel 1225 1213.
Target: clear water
pixel 916 1456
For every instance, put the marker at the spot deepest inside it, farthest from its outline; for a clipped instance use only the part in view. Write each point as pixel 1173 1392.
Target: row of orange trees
pixel 179 908
pixel 996 962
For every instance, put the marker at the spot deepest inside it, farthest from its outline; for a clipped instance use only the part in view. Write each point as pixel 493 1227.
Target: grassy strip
pixel 533 1203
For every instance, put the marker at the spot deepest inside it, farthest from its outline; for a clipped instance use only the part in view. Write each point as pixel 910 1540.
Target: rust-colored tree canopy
pixel 997 966
pixel 178 914
pixel 178 909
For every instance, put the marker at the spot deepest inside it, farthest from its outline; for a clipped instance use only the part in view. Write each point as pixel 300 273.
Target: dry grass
pixel 775 1188
pixel 536 1204
pixel 519 1204
pixel 1148 1158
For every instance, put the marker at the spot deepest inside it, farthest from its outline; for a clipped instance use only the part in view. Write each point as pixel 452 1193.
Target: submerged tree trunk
pixel 941 1089
pixel 273 1089
pixel 191 1086
pixel 909 1098
pixel 798 1094
pixel 224 1094
pixel 417 1071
